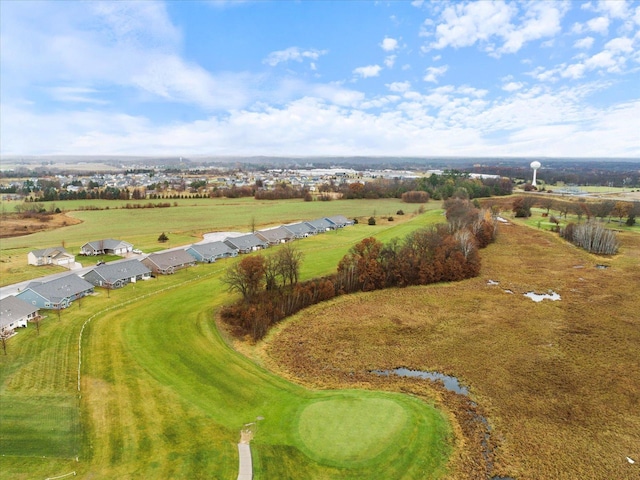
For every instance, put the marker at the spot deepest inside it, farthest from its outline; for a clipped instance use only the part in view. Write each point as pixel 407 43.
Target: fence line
pixel 61 476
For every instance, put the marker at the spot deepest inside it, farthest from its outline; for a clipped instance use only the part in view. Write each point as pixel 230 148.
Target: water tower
pixel 535 166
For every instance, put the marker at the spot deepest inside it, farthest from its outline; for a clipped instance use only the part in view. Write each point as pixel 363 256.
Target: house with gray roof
pixel 322 225
pixel 301 229
pixel 51 256
pixel 15 313
pixel 117 274
pixel 340 221
pixel 275 236
pixel 211 251
pixel 56 294
pixel 166 263
pixel 246 243
pixel 107 246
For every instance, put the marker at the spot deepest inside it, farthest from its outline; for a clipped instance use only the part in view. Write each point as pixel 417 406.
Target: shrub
pixel 372 220
pixel 415 196
pixel 399 212
pixel 390 219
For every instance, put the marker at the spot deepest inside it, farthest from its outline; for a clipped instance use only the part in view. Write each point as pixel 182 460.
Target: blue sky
pixel 419 78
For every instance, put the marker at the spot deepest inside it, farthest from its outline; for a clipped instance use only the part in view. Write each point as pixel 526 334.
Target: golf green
pixel 349 429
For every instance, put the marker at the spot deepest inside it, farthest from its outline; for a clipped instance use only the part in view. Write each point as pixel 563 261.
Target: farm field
pixel 558 381
pixel 163 396
pixel 183 224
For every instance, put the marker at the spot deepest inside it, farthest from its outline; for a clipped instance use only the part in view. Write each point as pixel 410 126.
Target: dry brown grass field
pixel 558 381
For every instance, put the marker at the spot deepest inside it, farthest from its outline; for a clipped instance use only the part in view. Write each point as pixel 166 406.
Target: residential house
pixel 211 251
pixel 117 274
pixel 275 236
pixel 167 263
pixel 340 221
pixel 15 313
pixel 51 256
pixel 56 294
pixel 106 247
pixel 246 243
pixel 301 229
pixel 322 225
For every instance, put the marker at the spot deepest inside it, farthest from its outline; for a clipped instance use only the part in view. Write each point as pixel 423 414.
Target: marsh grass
pixel 560 381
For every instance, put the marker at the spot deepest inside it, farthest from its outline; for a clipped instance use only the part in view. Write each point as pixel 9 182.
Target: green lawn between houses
pixel 183 224
pixel 162 396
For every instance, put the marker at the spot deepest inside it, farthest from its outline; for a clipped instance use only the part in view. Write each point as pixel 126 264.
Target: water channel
pixel 452 384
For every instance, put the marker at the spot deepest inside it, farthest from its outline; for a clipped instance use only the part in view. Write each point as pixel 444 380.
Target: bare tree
pixel 621 210
pixel 5 334
pixel 546 203
pixel 36 321
pixel 289 260
pixel 595 238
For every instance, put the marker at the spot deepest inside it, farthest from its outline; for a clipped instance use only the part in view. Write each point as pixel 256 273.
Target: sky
pixel 320 78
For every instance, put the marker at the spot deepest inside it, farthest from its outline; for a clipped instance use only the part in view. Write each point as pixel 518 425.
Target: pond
pixel 450 383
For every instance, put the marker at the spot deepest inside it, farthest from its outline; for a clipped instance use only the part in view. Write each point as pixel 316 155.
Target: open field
pixel 163 396
pixel 559 382
pixel 183 224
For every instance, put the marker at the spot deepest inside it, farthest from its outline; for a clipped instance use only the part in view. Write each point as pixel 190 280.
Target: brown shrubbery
pixel 415 196
pixel 444 253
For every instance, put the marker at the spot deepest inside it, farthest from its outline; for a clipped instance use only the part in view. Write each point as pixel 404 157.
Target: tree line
pixel 270 289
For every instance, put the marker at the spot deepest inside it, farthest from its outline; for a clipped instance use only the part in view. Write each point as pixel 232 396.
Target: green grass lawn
pixel 163 396
pixel 184 225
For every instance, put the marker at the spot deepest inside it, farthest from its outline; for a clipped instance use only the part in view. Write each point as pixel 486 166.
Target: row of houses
pixel 61 292
pixel 60 256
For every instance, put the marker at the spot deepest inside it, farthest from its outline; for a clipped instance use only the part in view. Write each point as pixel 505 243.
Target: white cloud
pixel 575 70
pixel 389 44
pixel 613 8
pixel 489 22
pixel 399 87
pixel 598 25
pixel 512 86
pixel 541 20
pixel 445 121
pixel 131 45
pixel 76 95
pixel 620 44
pixel 368 71
pixel 586 43
pixel 465 24
pixel 434 72
pixel 390 61
pixel 292 54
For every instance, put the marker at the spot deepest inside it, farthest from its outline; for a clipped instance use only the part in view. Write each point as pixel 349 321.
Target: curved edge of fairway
pixel 373 433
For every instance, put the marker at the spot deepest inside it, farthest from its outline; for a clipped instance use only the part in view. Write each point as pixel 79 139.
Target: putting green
pixel 349 429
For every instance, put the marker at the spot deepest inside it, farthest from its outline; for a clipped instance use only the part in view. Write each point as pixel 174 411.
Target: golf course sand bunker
pixel 351 430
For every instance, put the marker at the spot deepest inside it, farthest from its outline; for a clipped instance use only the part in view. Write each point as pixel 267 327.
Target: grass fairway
pixel 163 396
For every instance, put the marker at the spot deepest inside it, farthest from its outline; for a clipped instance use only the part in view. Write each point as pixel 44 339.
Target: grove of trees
pixel 270 289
